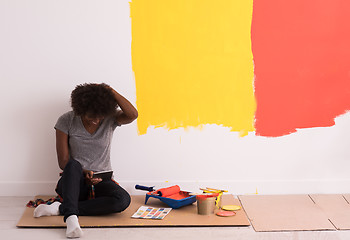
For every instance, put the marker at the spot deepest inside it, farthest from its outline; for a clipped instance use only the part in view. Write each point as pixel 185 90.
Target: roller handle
pixel 140 187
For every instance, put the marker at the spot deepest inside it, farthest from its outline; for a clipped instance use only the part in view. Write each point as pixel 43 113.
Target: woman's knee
pixel 73 165
pixel 121 202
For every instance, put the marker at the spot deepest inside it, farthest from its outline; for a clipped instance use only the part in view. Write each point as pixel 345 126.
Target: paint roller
pixel 166 192
pixel 162 192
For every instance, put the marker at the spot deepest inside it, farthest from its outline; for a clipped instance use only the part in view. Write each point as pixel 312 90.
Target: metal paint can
pixel 206 204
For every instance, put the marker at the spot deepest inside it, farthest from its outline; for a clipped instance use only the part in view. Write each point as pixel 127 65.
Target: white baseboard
pixel 27 188
pixel 234 187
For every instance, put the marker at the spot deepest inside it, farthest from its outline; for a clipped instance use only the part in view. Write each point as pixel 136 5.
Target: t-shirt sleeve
pixel 64 122
pixel 115 123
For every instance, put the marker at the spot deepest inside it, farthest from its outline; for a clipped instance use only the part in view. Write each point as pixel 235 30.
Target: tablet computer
pixel 104 175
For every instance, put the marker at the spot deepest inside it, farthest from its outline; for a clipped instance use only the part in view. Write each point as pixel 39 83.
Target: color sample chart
pixel 151 213
pixel 267 66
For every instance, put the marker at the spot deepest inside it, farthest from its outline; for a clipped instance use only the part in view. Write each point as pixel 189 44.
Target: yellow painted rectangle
pixel 193 63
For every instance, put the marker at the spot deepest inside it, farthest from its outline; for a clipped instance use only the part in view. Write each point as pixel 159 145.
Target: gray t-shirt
pixel 92 151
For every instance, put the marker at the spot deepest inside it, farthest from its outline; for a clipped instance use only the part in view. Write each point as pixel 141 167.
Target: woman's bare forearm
pixel 129 112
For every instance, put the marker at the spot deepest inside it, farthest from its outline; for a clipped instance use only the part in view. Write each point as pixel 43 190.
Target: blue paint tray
pixel 185 199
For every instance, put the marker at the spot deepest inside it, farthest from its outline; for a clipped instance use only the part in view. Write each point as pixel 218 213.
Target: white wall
pixel 48 47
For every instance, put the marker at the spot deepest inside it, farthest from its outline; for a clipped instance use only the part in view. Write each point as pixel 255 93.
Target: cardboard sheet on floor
pixel 284 213
pixel 336 207
pixel 185 216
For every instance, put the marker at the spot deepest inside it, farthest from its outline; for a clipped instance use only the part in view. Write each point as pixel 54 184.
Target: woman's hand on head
pixel 89 178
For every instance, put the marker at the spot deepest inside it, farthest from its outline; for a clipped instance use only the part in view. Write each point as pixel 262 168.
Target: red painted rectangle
pixel 301 52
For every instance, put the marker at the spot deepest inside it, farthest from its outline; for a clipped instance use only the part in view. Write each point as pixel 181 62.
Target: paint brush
pixel 212 190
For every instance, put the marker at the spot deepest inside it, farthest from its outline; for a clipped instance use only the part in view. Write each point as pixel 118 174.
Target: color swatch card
pixel 151 213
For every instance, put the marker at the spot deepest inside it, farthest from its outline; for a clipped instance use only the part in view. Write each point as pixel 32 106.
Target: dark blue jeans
pixel 109 196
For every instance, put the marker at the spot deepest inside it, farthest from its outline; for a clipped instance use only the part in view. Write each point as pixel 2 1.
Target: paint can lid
pixel 207 195
pixel 230 207
pixel 225 213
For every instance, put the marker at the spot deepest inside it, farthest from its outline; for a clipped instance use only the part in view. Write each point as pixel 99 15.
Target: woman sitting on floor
pixel 83 141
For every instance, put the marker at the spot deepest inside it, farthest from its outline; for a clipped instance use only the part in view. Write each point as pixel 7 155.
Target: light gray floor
pixel 11 209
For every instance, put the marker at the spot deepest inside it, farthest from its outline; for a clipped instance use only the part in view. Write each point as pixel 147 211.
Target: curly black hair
pixel 95 100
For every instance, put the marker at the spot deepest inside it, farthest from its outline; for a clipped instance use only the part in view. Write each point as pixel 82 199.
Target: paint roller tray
pixel 174 201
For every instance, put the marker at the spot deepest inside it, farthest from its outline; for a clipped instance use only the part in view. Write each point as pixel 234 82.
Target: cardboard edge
pixel 249 219
pixel 338 225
